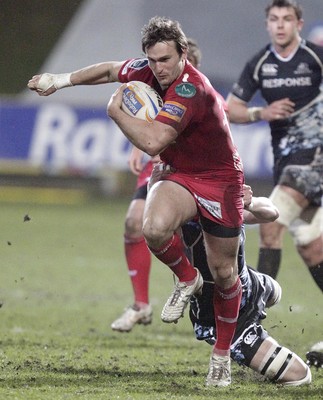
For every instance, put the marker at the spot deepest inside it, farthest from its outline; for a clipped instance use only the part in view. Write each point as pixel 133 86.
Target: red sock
pixel 172 253
pixel 226 309
pixel 139 262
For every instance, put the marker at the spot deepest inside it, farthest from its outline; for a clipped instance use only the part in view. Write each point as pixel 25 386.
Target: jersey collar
pixel 286 59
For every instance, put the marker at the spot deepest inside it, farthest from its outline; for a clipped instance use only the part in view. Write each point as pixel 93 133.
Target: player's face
pixel 165 62
pixel 283 27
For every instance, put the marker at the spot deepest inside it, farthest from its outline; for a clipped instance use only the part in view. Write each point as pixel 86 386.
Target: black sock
pixel 269 261
pixel 317 274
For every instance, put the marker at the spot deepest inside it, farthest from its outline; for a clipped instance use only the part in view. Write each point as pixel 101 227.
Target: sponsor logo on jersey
pixel 286 82
pixel 186 89
pixel 173 110
pixel 302 68
pixel 135 64
pixel 269 69
pixel 213 207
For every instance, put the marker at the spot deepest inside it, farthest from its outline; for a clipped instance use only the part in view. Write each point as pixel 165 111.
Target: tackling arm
pixel 260 210
pixel 257 209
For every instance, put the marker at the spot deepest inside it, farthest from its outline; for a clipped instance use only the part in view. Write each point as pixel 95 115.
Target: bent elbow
pixel 152 153
pixel 152 149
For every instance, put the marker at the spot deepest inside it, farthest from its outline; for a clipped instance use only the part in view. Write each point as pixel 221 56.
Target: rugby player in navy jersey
pixel 192 135
pixel 288 73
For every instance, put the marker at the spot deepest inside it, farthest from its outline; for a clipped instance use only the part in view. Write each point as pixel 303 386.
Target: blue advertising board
pixel 57 136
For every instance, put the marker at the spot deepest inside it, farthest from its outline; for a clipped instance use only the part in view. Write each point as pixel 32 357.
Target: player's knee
pixel 133 226
pixel 224 271
pixel 304 232
pixel 288 208
pixel 223 277
pixel 151 233
pixel 155 231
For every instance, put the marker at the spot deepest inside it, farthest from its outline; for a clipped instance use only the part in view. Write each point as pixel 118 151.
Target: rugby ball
pixel 141 101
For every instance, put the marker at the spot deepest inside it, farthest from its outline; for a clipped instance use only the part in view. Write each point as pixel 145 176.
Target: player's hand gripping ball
pixel 141 101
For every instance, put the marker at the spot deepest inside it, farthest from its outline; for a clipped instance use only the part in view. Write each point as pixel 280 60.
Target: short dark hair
pixel 194 52
pixel 162 29
pixel 286 3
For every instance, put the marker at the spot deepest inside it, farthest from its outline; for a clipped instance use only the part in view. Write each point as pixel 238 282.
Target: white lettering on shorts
pixel 213 207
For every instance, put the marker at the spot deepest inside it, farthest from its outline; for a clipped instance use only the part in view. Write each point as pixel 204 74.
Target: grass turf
pixel 63 281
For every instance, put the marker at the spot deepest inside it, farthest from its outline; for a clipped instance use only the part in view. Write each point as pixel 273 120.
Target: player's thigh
pixel 169 205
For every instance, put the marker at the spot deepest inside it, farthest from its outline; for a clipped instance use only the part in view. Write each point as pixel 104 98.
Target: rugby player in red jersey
pixel 137 254
pixel 191 134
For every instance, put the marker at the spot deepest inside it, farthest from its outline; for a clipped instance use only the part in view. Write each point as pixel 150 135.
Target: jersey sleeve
pixel 318 50
pixel 246 86
pixel 179 108
pixel 133 69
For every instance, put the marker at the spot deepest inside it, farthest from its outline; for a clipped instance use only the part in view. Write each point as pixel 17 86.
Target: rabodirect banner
pixel 61 137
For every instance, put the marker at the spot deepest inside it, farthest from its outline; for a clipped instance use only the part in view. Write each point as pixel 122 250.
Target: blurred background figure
pixel 288 73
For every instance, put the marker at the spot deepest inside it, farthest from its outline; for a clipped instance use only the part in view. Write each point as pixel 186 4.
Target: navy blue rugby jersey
pixel 297 77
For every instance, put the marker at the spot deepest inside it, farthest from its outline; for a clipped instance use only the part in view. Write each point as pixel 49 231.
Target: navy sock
pixel 317 274
pixel 269 261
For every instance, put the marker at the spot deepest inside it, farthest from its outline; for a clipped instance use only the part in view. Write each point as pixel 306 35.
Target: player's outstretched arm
pixel 47 84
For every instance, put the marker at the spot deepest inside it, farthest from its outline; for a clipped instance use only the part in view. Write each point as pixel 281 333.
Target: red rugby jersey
pixel 197 112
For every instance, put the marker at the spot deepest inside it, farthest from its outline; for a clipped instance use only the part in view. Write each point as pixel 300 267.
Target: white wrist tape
pixel 254 114
pixel 59 81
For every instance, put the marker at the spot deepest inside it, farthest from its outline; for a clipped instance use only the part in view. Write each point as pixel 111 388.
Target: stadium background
pixel 65 140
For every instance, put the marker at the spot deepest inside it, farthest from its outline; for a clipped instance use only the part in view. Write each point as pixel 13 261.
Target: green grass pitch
pixel 63 280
